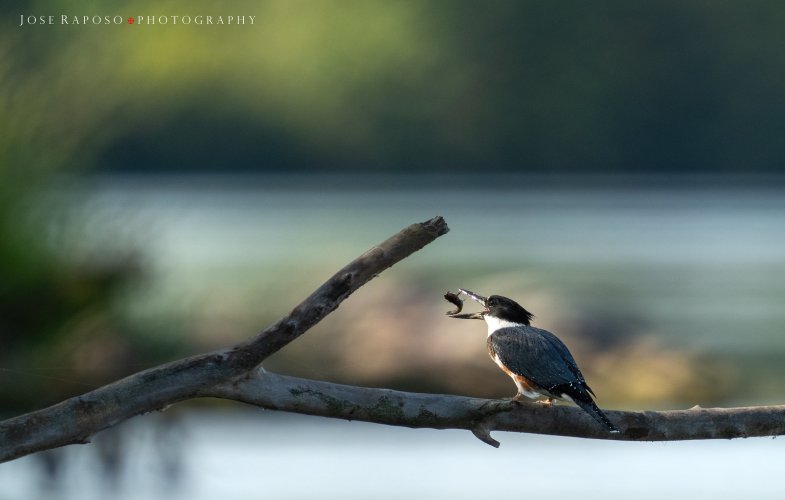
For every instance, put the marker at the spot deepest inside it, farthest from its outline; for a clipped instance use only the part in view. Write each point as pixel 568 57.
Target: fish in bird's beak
pixel 459 303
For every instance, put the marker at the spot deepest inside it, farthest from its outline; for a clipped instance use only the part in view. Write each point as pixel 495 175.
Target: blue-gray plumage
pixel 537 355
pixel 537 361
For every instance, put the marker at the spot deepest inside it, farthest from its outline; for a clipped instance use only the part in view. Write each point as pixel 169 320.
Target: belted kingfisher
pixel 536 360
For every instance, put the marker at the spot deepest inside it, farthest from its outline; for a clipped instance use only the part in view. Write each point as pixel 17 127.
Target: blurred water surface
pixel 703 264
pixel 255 455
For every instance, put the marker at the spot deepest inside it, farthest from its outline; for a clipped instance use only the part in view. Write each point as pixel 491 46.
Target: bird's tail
pixel 592 409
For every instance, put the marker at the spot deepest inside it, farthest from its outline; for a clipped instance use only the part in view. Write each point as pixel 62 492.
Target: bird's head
pixel 498 307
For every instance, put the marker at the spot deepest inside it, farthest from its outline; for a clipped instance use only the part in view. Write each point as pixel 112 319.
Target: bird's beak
pixel 476 297
pixel 475 315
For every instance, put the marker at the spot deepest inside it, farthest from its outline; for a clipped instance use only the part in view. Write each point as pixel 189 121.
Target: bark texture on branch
pixel 76 419
pixel 385 406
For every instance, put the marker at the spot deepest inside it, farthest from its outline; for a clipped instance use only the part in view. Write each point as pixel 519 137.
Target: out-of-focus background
pixel 167 189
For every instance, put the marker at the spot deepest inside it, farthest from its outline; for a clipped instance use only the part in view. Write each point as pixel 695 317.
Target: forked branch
pixel 75 420
pixel 234 374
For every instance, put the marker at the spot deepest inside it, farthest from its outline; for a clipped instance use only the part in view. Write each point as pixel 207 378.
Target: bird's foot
pixel 547 402
pixel 518 399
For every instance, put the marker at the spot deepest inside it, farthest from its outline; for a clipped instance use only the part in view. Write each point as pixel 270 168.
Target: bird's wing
pixel 528 352
pixel 565 355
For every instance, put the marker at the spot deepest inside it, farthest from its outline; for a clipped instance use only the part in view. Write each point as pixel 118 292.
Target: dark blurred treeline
pixel 569 87
pixel 613 87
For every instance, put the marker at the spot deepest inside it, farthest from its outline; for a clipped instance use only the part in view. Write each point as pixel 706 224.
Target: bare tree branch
pixel 78 418
pixel 235 374
pixel 384 406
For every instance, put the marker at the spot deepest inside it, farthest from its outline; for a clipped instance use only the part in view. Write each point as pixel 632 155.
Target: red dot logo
pixel 130 20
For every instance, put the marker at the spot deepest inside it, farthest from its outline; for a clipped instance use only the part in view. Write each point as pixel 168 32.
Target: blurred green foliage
pixel 394 85
pixel 45 304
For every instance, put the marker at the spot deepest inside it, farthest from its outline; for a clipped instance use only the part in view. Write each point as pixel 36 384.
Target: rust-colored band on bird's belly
pixel 525 386
pixel 525 383
pixel 520 380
